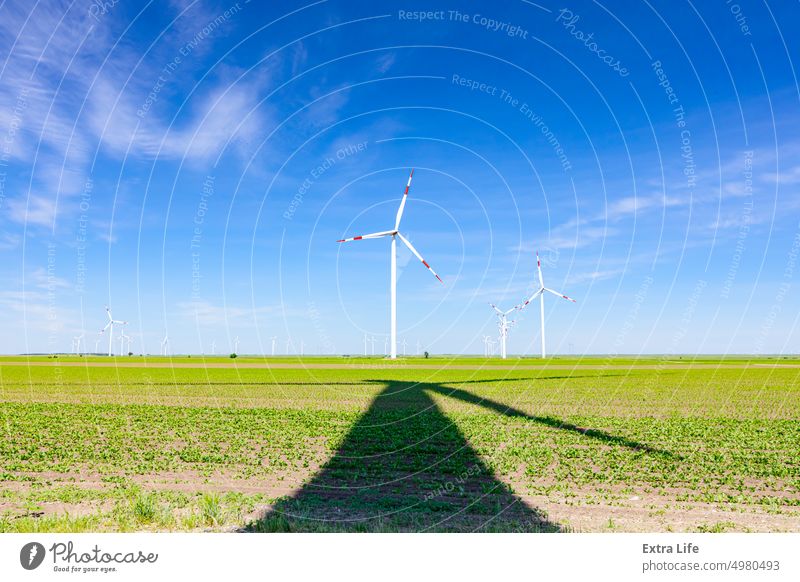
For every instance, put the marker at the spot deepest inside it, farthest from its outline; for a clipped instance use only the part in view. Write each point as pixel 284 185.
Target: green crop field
pixel 596 444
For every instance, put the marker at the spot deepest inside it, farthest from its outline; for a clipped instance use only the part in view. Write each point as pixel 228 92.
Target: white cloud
pixel 35 210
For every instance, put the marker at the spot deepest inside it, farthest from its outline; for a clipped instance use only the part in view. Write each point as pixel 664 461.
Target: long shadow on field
pixel 551 421
pixel 404 466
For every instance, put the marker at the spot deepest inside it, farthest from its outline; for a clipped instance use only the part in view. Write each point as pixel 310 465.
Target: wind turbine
pixel 503 325
pixel 165 345
pixel 110 327
pixel 393 287
pixel 76 343
pixel 122 338
pixel 486 339
pixel 274 339
pixel 97 344
pixel 236 345
pixel 372 341
pixel 540 293
pixel 213 347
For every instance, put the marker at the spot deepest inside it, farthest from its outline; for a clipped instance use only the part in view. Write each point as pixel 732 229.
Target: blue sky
pixel 191 164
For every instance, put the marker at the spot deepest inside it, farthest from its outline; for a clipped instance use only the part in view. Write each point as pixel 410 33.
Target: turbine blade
pixel 524 304
pixel 105 328
pixel 539 268
pixel 495 308
pixel 365 236
pixel 403 201
pixel 560 295
pixel 419 256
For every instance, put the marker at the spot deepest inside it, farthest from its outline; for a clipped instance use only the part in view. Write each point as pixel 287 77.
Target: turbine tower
pixel 540 293
pixel 274 339
pixel 503 325
pixel 236 345
pixel 395 234
pixel 164 344
pixel 110 327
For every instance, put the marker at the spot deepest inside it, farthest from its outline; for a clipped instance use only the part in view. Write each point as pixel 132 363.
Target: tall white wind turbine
pixel 395 234
pixel 503 325
pixel 274 339
pixel 110 327
pixel 540 293
pixel 164 345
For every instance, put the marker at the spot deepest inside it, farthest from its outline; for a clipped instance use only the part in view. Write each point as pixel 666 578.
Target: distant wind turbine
pixel 76 343
pixel 395 233
pixel 540 293
pixel 164 345
pixel 503 325
pixel 122 339
pixel 110 327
